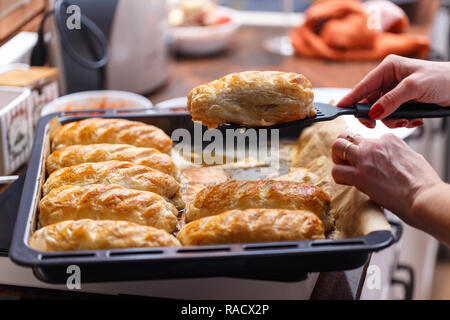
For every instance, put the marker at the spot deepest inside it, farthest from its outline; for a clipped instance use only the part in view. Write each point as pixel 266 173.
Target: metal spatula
pixel 327 112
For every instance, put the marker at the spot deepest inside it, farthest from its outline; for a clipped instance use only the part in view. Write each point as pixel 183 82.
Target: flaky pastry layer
pixel 122 173
pixel 116 131
pixel 107 202
pixel 77 154
pixel 95 235
pixel 269 194
pixel 252 98
pixel 252 225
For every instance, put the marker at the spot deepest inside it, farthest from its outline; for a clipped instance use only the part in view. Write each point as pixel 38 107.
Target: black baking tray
pixel 277 261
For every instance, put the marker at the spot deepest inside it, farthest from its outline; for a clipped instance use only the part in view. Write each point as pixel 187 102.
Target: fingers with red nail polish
pixel 401 124
pixel 415 123
pixel 395 123
pixel 395 81
pixel 368 123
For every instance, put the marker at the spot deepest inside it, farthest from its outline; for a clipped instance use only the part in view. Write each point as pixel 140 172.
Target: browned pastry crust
pixel 89 234
pixel 121 173
pixel 252 98
pixel 252 225
pixel 107 202
pixel 73 155
pixel 260 194
pixel 116 131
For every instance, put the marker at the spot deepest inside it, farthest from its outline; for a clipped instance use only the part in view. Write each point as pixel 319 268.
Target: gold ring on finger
pixel 344 153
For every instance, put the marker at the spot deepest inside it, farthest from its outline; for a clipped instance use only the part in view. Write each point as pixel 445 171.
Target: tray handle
pixel 109 111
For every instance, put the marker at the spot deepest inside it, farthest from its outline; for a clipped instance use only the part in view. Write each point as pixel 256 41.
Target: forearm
pixel 431 211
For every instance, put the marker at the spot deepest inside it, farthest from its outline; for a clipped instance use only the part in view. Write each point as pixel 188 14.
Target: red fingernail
pixel 417 123
pixel 376 111
pixel 369 125
pixel 401 124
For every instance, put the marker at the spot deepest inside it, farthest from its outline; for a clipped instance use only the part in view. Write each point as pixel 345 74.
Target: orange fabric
pixel 338 30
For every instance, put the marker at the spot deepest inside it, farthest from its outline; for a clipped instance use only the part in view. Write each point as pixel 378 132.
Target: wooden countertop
pixel 246 53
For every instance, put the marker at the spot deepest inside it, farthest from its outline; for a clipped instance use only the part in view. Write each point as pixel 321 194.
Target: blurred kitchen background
pixel 161 49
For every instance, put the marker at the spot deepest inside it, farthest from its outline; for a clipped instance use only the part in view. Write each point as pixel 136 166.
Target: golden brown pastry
pixel 76 154
pixel 252 225
pixel 269 194
pixel 89 234
pixel 107 202
pixel 252 98
pixel 122 173
pixel 116 131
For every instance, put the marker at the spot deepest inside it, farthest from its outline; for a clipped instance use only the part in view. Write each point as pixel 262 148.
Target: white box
pixel 16 128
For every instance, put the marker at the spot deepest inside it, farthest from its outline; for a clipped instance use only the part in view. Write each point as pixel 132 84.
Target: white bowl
pixel 205 40
pixel 97 100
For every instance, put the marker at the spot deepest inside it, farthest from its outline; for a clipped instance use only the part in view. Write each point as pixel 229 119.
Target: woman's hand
pixel 398 80
pixel 388 171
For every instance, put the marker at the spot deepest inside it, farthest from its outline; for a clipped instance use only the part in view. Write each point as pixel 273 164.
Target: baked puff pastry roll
pixel 77 154
pixel 252 225
pixel 107 202
pixel 88 234
pixel 122 173
pixel 268 194
pixel 116 131
pixel 252 98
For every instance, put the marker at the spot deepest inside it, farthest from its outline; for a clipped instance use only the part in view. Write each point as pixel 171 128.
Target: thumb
pixel 405 91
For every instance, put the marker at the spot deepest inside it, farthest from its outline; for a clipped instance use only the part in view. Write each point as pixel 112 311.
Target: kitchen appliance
pixel 119 45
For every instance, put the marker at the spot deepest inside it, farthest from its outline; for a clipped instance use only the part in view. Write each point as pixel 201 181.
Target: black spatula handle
pixel 408 110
